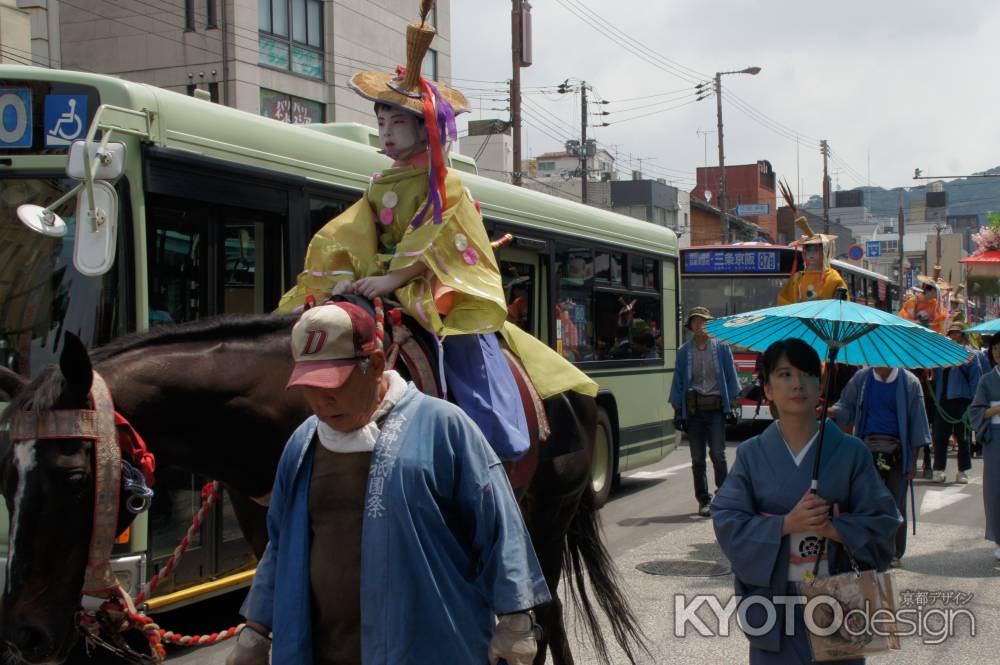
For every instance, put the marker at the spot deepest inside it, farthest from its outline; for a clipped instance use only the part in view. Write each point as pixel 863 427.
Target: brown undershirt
pixel 336 510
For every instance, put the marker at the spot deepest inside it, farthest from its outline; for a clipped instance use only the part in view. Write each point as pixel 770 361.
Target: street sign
pixel 909 279
pixel 855 253
pixel 753 209
pixel 874 249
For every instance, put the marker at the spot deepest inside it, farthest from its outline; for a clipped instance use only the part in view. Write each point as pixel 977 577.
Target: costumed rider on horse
pixel 927 307
pixel 417 233
pixel 817 280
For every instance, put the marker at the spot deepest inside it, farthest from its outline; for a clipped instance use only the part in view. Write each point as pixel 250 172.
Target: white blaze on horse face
pixel 24 460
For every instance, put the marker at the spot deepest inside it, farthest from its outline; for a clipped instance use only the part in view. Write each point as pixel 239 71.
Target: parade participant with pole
pixel 886 407
pixel 817 280
pixel 394 533
pixel 954 388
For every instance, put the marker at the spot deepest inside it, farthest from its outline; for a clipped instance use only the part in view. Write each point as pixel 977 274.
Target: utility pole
pixel 723 215
pixel 583 142
pixel 825 149
pixel 517 60
pixel 515 88
pixel 902 256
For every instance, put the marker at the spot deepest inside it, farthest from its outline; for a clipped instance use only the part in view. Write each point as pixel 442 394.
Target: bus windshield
pixel 725 295
pixel 41 294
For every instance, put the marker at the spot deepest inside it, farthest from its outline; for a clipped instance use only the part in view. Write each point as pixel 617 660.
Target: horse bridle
pixel 99 424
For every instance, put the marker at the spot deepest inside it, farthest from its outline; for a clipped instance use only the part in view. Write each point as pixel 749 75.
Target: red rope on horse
pixel 209 495
pixel 379 322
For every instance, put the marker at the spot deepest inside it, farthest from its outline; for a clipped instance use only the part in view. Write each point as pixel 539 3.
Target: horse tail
pixel 585 552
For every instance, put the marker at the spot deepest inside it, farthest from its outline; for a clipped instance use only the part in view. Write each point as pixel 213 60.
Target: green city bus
pixel 215 209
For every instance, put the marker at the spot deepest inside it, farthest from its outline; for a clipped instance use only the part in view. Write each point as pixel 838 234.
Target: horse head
pixel 49 488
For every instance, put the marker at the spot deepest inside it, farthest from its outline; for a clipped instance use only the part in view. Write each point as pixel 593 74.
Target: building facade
pixel 490 143
pixel 15 34
pixel 653 201
pixel 745 184
pixel 286 59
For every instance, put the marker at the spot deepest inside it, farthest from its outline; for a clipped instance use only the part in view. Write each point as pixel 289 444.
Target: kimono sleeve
pixel 729 371
pixel 787 296
pixel 873 516
pixel 977 411
pixel 845 410
pixel 677 384
pixel 508 570
pixel 916 412
pixel 751 541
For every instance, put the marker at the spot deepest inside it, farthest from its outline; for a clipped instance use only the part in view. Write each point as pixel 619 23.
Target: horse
pixel 209 397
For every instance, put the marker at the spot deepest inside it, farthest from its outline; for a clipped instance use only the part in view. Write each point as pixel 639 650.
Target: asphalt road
pixel 652 517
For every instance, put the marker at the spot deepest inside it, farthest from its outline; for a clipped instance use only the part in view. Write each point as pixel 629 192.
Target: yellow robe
pixel 457 253
pixel 804 286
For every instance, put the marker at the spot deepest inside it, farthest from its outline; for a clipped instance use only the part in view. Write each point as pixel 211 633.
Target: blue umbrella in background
pixel 841 331
pixel 990 327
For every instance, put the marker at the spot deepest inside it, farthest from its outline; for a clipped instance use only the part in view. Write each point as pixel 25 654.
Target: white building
pixel 490 143
pixel 286 59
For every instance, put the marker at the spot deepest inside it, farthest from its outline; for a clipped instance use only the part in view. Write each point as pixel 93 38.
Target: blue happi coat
pixel 911 415
pixel 443 551
pixel 725 371
pixel 764 485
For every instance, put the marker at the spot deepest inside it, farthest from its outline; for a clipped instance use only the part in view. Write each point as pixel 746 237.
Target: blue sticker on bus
pixel 726 261
pixel 65 119
pixel 15 118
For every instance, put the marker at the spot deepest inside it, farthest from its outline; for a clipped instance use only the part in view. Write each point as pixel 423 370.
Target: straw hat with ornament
pixel 934 280
pixel 407 89
pixel 809 237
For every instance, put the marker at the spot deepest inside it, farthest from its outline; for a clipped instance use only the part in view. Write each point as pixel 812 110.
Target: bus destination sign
pixel 732 261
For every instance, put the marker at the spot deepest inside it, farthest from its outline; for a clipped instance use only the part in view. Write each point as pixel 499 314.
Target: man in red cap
pixel 394 533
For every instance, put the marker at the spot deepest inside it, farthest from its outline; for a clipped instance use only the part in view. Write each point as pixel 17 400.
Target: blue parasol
pixel 858 334
pixel 990 327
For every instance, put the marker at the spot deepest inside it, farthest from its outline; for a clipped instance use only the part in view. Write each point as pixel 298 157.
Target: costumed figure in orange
pixel 817 280
pixel 927 308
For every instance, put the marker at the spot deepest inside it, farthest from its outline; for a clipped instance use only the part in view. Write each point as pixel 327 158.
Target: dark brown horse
pixel 209 398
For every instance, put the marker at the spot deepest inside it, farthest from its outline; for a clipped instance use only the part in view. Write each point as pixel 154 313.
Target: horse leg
pixel 551 503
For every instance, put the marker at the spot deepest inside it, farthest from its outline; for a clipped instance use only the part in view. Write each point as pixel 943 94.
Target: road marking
pixel 657 475
pixel 938 499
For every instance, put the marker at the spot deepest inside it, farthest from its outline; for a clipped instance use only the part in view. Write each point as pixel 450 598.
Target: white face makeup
pixel 813 256
pixel 401 133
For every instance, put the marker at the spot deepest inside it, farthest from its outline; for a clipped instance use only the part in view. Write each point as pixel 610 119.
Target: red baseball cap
pixel 328 341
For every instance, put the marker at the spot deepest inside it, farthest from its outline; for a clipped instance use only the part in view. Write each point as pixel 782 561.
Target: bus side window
pixel 519 289
pixel 574 314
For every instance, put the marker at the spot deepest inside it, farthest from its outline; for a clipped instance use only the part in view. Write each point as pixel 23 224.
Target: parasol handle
pixel 831 359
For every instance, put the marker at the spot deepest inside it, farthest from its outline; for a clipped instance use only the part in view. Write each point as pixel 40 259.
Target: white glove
pixel 251 648
pixel 514 640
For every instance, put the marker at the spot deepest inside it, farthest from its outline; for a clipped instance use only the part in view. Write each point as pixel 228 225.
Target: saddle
pixel 407 342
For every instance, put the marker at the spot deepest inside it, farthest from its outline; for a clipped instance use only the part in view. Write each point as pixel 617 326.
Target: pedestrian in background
pixel 954 388
pixel 984 413
pixel 886 407
pixel 703 393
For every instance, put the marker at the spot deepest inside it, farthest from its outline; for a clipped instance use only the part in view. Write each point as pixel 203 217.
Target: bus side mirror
pixel 108 161
pixel 96 229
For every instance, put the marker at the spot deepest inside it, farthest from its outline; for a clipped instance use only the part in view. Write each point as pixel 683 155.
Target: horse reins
pixel 106 604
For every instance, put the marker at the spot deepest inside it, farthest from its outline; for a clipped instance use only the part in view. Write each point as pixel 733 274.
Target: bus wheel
pixel 602 466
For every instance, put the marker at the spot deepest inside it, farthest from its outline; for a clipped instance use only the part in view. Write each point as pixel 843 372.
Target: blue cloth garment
pixel 962 380
pixel 881 408
pixel 725 370
pixel 763 486
pixel 482 384
pixel 444 548
pixel 988 435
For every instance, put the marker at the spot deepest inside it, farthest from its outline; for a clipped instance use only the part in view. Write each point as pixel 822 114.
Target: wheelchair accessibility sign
pixel 65 119
pixel 15 118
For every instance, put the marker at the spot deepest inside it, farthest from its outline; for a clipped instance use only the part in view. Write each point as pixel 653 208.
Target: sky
pixel 892 85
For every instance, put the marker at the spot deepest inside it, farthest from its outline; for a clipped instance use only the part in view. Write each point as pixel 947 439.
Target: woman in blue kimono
pixel 984 414
pixel 772 528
